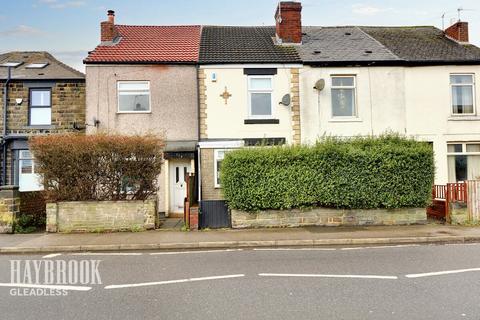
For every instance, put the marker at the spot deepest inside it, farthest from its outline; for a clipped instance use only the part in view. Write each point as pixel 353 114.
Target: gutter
pixel 4 132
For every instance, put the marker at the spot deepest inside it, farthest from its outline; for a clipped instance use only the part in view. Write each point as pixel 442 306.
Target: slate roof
pixel 383 46
pixel 54 69
pixel 150 44
pixel 423 44
pixel 230 44
pixel 330 44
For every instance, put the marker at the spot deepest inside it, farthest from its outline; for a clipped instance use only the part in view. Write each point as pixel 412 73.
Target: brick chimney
pixel 458 31
pixel 289 22
pixel 108 30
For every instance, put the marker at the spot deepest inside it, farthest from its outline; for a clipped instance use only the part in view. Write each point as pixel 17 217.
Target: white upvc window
pixel 133 96
pixel 463 161
pixel 344 96
pixel 260 100
pixel 219 155
pixel 40 109
pixel 463 94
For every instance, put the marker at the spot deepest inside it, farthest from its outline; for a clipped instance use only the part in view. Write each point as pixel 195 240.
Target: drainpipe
pixel 4 136
pixel 199 176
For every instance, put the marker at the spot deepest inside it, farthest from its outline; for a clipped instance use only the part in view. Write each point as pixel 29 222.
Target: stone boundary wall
pixel 327 217
pixel 9 207
pixel 101 216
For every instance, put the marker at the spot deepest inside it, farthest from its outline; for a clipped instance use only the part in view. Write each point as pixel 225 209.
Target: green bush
pixel 362 173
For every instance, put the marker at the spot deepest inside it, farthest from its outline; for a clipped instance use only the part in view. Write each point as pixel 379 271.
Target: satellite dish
pixel 319 85
pixel 286 99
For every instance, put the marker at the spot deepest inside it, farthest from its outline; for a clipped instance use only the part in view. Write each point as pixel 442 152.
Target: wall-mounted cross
pixel 225 95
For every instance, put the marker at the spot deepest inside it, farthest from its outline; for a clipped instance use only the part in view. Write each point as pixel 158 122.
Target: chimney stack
pixel 288 19
pixel 458 31
pixel 108 30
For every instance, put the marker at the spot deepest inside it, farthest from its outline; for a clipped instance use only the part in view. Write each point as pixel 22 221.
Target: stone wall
pixel 327 217
pixel 9 207
pixel 101 216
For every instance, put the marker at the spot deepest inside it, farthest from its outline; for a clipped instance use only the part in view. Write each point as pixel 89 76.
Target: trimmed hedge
pixel 98 167
pixel 360 173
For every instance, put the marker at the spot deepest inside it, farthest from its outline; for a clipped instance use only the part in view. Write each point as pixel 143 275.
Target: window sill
pixel 464 118
pixel 40 127
pixel 346 119
pixel 133 112
pixel 261 121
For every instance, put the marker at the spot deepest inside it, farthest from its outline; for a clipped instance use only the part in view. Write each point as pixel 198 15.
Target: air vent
pixel 317 51
pixel 368 51
pixel 348 33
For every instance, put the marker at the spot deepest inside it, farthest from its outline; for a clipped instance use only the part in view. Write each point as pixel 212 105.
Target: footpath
pixel 294 237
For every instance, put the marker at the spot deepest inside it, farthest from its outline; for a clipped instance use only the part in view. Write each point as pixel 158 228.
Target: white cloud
pixel 72 58
pixel 21 31
pixel 367 10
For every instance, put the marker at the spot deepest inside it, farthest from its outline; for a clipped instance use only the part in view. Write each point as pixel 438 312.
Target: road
pixel 396 282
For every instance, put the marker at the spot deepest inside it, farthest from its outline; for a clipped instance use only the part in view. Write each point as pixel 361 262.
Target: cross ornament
pixel 225 95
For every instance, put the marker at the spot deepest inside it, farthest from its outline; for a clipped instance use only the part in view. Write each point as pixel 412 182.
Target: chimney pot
pixel 458 31
pixel 288 19
pixel 111 16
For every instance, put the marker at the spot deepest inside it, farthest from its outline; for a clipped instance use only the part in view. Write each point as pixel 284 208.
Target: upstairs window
pixel 40 111
pixel 260 97
pixel 343 96
pixel 463 93
pixel 133 96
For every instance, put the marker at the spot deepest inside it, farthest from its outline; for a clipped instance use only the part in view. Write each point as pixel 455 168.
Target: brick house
pixel 44 96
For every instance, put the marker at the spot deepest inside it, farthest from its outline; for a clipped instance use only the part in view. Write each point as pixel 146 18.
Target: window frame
pixel 149 96
pixel 462 85
pixel 249 96
pixel 30 106
pixel 464 149
pixel 215 165
pixel 354 87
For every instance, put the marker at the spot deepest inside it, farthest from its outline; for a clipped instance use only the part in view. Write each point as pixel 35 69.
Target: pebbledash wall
pixel 100 216
pixel 327 217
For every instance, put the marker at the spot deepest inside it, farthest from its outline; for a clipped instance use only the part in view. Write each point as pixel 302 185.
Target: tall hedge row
pixel 376 172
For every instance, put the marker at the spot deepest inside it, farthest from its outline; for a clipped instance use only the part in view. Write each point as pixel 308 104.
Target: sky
pixel 70 28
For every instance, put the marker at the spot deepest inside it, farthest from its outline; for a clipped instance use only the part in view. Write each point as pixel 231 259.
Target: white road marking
pixel 382 247
pixel 106 254
pixel 44 286
pixel 186 252
pixel 294 249
pixel 144 284
pixel 52 255
pixel 439 273
pixel 327 276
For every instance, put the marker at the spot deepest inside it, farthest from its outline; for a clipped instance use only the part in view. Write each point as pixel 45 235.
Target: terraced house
pixel 211 89
pixel 143 79
pixel 40 95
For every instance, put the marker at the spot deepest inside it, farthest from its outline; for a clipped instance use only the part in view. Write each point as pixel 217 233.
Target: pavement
pixel 408 282
pixel 175 239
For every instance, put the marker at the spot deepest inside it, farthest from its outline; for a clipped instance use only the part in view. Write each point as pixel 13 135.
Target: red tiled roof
pixel 150 44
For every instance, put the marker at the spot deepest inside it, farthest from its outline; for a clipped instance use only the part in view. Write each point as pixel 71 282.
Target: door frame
pixel 171 183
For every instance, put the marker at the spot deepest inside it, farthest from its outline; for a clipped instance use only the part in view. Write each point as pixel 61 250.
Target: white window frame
pixel 250 91
pixel 215 166
pixel 464 149
pixel 354 87
pixel 462 85
pixel 134 81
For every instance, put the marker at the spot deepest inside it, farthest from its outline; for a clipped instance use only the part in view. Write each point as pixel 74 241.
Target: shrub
pixel 376 172
pixel 98 167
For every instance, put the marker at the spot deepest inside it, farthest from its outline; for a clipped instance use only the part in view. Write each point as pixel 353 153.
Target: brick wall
pixel 295 90
pixel 209 192
pixel 9 207
pixel 202 103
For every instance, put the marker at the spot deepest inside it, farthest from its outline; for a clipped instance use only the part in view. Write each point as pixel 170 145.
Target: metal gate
pixel 214 214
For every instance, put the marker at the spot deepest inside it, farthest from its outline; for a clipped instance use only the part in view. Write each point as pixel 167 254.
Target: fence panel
pixel 473 200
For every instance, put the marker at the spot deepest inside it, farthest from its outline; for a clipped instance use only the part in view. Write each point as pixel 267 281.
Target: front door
pixel 28 179
pixel 178 187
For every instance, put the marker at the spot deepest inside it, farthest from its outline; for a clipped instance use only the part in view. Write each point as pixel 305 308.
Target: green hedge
pixel 363 173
